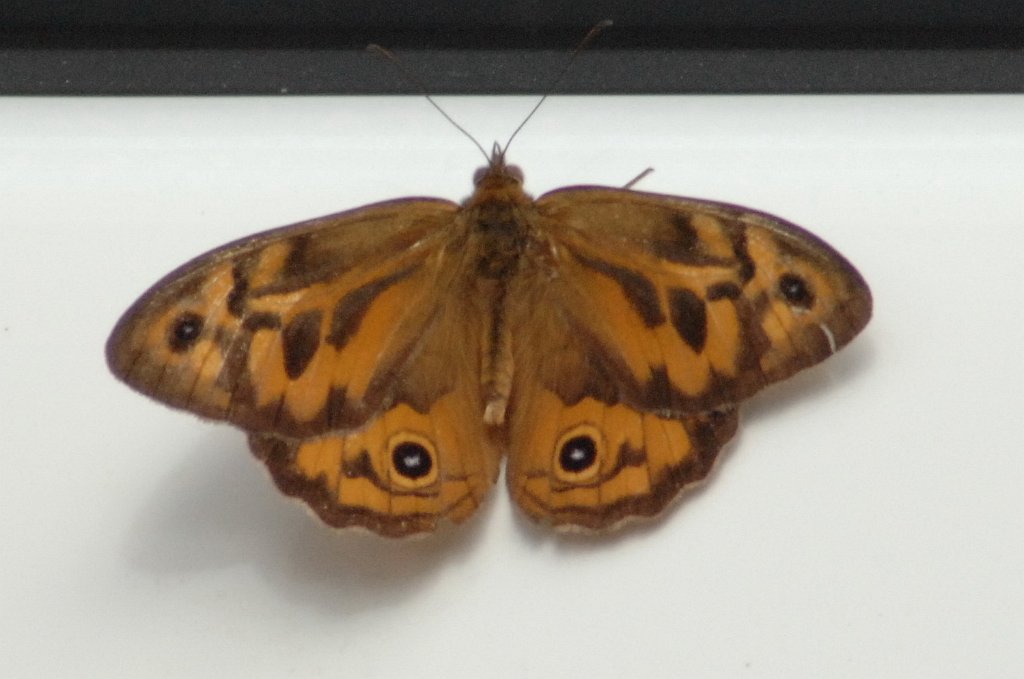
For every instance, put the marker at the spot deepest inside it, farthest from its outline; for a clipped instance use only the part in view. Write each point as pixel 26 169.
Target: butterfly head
pixel 497 172
pixel 497 182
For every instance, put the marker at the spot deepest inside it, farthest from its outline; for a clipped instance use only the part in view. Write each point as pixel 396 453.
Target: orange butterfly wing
pixel 664 313
pixel 329 342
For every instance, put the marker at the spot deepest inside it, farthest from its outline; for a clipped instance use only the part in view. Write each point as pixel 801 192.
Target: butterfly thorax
pixel 500 219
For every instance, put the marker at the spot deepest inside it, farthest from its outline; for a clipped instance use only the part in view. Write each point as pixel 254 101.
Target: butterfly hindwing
pixel 424 457
pixel 583 451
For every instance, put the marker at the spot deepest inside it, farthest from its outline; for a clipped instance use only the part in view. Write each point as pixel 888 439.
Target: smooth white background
pixel 867 521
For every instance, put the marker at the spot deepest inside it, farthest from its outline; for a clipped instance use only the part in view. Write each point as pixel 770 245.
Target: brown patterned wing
pixel 666 313
pixel 295 330
pixel 324 341
pixel 425 457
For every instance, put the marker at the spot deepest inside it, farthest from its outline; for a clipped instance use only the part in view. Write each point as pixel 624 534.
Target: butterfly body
pixel 386 359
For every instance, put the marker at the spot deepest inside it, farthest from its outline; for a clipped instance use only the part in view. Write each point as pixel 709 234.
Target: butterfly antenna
pixel 636 180
pixel 416 83
pixel 587 39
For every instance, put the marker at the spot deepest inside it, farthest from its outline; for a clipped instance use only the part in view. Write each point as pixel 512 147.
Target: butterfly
pixel 385 360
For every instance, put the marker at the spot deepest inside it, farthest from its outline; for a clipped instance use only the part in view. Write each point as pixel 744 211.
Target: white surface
pixel 867 521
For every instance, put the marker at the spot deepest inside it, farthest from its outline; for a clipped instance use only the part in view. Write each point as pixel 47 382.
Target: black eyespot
pixel 184 331
pixel 796 291
pixel 577 454
pixel 411 460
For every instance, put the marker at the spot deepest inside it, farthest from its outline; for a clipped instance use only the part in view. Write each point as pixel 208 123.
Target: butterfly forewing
pixel 228 334
pixel 729 299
